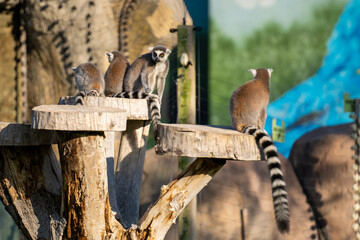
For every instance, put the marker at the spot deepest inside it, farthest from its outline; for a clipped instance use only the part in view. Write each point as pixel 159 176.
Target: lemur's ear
pixel 168 51
pixel 253 72
pixel 151 48
pixel 110 56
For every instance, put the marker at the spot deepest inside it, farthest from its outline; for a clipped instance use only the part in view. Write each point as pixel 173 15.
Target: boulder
pixel 322 162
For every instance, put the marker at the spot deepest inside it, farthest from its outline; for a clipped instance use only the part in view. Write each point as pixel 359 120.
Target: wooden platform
pixel 86 141
pixel 201 141
pixel 13 134
pixel 78 118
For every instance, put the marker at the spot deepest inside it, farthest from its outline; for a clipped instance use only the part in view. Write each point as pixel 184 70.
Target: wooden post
pixel 186 101
pixel 127 169
pixel 83 157
pixel 186 86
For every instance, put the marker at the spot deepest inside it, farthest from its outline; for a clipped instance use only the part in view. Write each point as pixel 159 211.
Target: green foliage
pixel 294 54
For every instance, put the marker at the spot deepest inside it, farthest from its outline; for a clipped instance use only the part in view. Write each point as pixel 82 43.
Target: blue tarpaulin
pixel 318 101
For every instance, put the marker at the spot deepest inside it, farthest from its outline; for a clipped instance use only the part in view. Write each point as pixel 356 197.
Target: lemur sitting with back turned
pixel 115 73
pixel 141 77
pixel 89 82
pixel 248 114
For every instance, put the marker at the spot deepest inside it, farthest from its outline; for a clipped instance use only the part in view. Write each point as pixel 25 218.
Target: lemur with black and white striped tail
pixel 248 114
pixel 146 72
pixel 89 82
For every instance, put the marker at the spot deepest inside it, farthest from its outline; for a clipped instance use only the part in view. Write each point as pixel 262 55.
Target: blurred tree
pixel 61 34
pixel 294 53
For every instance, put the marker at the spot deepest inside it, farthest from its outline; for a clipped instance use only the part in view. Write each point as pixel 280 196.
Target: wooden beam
pixel 206 142
pixel 78 118
pixel 176 195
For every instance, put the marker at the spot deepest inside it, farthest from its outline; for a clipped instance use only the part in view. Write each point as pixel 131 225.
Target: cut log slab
pixel 206 142
pixel 78 118
pixel 137 109
pixel 13 134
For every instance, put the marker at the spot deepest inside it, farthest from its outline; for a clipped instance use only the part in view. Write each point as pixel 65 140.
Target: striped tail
pixel 79 98
pixel 279 194
pixel 155 114
pixel 136 95
pixel 154 106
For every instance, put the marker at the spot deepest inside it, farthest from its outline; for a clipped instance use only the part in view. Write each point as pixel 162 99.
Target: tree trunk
pixel 62 34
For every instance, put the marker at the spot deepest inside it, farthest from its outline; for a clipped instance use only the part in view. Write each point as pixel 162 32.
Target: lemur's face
pixel 159 55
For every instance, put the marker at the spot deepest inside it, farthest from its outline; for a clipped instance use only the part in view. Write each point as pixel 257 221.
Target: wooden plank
pixel 78 118
pixel 137 109
pixel 206 142
pixel 13 134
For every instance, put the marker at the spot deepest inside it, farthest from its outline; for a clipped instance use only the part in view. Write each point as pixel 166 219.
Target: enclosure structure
pixel 88 193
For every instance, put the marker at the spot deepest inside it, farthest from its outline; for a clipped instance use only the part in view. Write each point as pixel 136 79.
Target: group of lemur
pixel 247 105
pixel 123 80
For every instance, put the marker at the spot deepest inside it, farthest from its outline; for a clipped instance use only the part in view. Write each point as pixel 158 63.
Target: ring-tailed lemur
pixel 248 114
pixel 115 73
pixel 146 72
pixel 89 81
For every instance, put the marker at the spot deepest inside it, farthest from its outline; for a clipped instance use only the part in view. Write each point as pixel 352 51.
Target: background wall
pixel 288 36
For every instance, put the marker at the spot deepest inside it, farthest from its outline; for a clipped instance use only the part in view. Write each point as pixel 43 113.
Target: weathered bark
pixel 86 204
